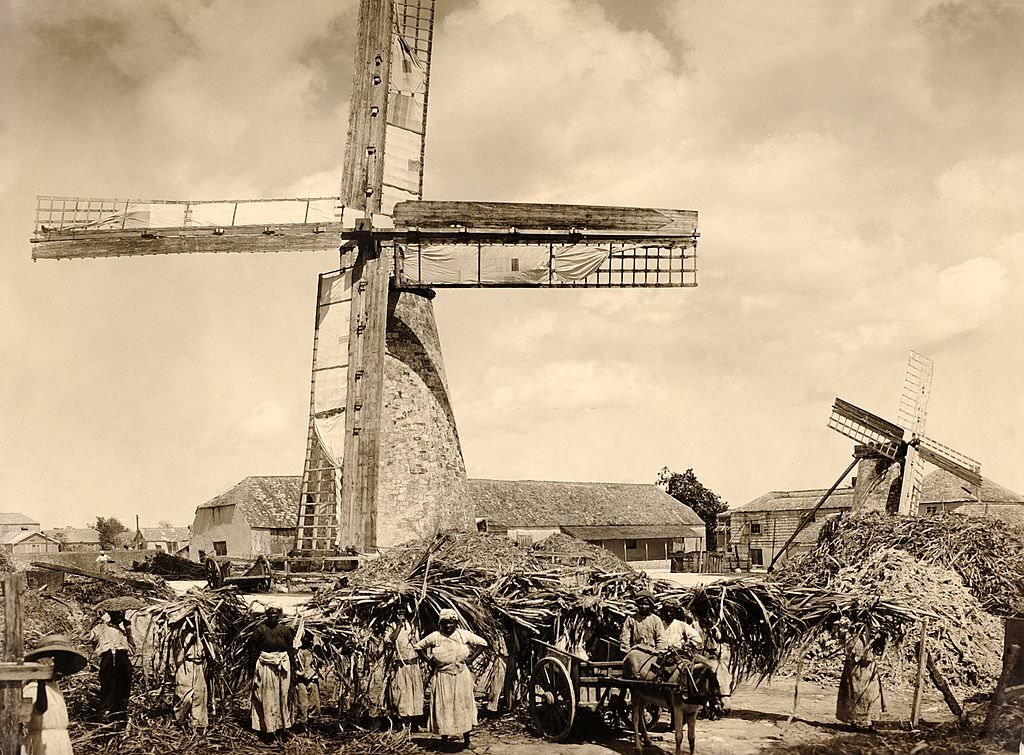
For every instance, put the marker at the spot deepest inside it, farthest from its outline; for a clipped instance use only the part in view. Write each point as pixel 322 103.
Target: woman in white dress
pixel 450 649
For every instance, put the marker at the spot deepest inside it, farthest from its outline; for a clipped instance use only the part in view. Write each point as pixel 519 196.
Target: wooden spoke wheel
pixel 552 699
pixel 213 575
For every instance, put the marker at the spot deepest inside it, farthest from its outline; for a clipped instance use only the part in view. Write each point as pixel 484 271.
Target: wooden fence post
pixel 13 650
pixel 922 650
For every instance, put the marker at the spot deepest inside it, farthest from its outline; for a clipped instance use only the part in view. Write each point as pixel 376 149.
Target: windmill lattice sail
pixel 866 428
pixel 912 414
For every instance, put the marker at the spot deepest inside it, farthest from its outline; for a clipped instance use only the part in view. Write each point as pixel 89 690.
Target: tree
pixel 165 524
pixel 688 490
pixel 111 531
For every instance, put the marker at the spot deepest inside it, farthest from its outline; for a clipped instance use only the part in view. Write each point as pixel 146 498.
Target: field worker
pixel 407 682
pixel 271 680
pixel 44 711
pixel 103 562
pixel 307 684
pixel 860 689
pixel 643 629
pixel 113 639
pixel 190 690
pixel 680 626
pixel 451 648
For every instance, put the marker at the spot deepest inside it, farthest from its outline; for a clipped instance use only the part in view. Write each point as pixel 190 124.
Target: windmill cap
pixel 66 657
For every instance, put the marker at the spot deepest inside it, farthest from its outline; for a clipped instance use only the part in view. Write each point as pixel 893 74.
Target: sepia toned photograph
pixel 511 377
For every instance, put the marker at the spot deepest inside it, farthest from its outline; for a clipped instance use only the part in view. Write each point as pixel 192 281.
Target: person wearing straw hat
pixel 113 639
pixel 450 649
pixel 270 713
pixel 643 629
pixel 44 711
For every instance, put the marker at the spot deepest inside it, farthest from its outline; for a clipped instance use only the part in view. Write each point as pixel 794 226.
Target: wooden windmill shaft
pixel 383 460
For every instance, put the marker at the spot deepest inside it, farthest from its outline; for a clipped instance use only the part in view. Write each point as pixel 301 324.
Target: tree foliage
pixel 112 532
pixel 688 490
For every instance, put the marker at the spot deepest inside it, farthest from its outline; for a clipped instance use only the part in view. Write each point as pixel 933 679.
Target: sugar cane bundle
pixel 987 553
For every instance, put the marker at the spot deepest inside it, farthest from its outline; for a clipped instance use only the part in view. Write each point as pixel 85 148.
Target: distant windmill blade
pixel 912 414
pixel 866 428
pixel 917 388
pixel 954 462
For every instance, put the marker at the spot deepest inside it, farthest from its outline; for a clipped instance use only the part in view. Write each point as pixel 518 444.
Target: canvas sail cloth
pixel 526 264
pixel 405 130
pixel 330 365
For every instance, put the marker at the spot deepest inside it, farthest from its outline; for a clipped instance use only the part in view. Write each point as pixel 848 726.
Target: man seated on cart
pixel 644 629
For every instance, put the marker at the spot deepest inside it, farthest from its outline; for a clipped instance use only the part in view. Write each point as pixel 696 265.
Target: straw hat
pixel 66 658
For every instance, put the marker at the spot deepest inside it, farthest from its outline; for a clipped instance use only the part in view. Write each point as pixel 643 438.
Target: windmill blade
pixel 76 227
pixel 917 388
pixel 866 428
pixel 388 116
pixel 912 414
pixel 949 459
pixel 913 479
pixel 409 84
pixel 496 244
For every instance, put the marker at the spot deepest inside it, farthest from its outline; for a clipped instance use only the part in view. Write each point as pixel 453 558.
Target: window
pixel 933 509
pixel 220 548
pixel 755 528
pixel 756 559
pixel 631 545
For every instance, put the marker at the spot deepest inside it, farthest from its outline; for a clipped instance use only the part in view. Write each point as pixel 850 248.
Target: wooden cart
pixel 563 684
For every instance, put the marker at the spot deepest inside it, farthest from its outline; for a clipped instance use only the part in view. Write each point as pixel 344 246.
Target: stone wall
pixel 421 488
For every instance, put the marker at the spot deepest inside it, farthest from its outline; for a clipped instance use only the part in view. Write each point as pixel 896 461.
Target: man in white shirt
pixel 103 562
pixel 680 626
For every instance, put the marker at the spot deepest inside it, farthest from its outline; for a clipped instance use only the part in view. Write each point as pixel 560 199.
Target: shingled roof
pixel 166 534
pixel 535 503
pixel 940 486
pixel 75 535
pixel 795 500
pixel 266 502
pixel 13 517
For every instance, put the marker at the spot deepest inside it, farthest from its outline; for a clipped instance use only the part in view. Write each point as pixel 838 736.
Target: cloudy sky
pixel 857 167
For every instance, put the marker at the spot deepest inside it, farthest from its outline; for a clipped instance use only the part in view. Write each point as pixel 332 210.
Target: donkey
pixel 692 683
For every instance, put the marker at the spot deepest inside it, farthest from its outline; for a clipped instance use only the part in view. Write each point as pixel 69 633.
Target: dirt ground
pixel 757 724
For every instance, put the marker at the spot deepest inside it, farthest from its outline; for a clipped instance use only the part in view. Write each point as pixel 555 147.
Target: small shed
pixel 30 543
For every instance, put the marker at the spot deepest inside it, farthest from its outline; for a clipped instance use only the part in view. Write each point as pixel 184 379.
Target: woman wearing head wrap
pixel 190 689
pixel 44 711
pixel 450 648
pixel 273 641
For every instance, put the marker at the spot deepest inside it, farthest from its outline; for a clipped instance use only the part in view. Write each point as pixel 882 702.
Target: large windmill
pixel 892 454
pixel 383 461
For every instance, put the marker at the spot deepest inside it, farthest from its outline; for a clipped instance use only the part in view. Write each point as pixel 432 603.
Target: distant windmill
pixel 890 455
pixel 893 452
pixel 383 461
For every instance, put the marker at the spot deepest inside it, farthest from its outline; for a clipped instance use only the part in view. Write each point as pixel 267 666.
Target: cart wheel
pixel 213 576
pixel 552 699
